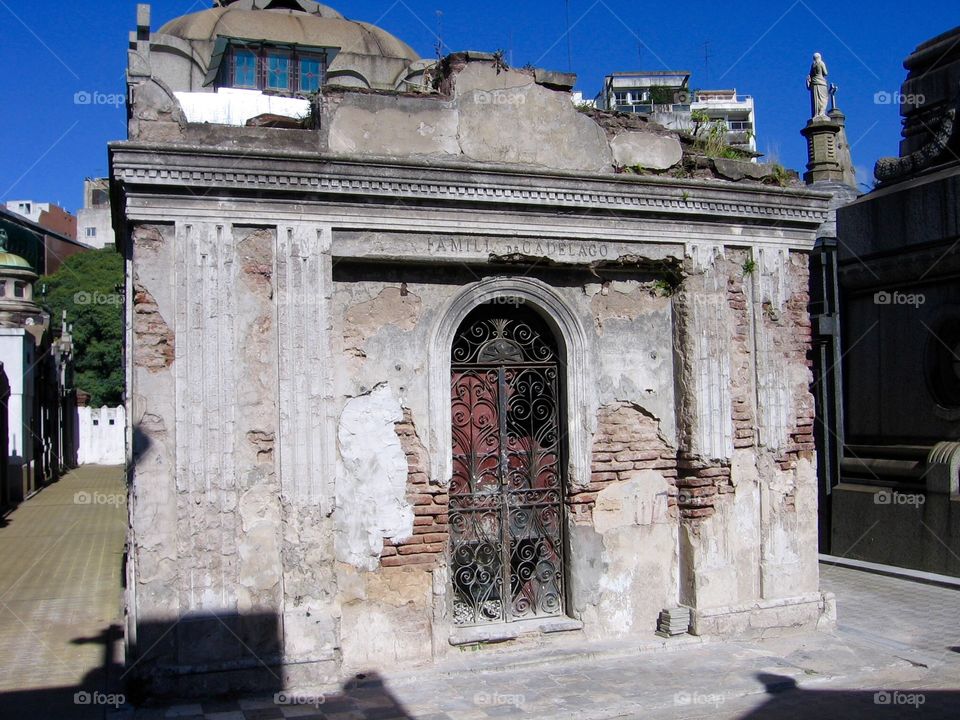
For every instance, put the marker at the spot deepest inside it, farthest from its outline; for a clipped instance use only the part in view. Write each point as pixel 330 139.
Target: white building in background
pixel 29 209
pixel 666 97
pixel 579 100
pixel 102 435
pixel 94 226
pixel 736 111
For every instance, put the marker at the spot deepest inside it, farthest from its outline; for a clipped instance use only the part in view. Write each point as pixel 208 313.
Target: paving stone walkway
pixel 61 563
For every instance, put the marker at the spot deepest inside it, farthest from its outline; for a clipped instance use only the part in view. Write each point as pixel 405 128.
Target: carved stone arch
pixel 573 344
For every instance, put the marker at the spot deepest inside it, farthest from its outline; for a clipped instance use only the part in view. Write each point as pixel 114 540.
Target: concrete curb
pixel 920 576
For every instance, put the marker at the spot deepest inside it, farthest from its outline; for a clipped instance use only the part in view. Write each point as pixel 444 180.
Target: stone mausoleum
pixel 895 497
pixel 421 355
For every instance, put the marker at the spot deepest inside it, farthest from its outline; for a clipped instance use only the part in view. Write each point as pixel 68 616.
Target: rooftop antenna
pixel 439 34
pixel 569 41
pixel 706 61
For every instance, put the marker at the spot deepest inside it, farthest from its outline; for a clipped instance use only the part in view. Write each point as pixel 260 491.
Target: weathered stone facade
pixel 295 298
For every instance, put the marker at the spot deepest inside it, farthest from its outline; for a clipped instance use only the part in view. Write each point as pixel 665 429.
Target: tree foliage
pixel 88 286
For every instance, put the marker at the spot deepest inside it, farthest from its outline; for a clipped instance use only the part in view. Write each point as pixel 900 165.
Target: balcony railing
pixel 648 108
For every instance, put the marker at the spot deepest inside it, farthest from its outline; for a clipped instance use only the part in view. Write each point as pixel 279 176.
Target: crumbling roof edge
pixel 434 163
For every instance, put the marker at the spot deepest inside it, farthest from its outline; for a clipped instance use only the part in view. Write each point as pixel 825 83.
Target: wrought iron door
pixel 506 495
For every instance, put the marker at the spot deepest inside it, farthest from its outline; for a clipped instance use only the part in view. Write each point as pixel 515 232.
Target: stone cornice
pixel 186 169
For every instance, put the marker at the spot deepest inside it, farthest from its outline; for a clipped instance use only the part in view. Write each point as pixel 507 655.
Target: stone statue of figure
pixel 817 84
pixel 3 239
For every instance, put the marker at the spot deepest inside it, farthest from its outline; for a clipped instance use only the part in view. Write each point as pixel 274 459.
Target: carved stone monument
pixel 828 152
pixel 818 87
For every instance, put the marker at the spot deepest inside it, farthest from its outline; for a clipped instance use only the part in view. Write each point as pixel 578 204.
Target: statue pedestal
pixel 824 149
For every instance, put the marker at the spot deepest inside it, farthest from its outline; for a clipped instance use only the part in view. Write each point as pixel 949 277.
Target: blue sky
pixel 55 50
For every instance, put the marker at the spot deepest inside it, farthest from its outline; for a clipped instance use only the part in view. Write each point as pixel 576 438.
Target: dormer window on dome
pixel 277 68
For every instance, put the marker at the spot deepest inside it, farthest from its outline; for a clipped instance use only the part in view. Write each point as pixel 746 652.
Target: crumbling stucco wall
pixel 153 493
pixel 630 504
pixel 371 479
pixel 747 483
pixel 688 498
pixel 382 328
pixel 492 115
pixel 205 509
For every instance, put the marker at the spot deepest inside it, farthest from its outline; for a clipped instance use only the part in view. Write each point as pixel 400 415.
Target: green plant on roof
pixel 780 175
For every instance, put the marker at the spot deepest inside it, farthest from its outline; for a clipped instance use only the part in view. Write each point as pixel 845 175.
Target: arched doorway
pixel 506 491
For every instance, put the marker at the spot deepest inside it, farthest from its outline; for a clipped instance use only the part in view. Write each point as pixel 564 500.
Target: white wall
pixel 99 219
pixel 16 354
pixel 230 106
pixel 102 435
pixel 35 209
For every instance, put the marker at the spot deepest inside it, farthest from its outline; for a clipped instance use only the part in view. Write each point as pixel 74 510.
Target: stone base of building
pixel 768 618
pixel 926 525
pixel 256 677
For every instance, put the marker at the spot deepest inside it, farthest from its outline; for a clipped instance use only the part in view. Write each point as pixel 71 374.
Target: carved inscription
pixel 507 246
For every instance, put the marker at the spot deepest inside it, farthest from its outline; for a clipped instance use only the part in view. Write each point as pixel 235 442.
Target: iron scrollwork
pixel 506 495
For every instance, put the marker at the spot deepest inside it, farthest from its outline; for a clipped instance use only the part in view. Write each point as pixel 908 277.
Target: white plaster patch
pixel 259 546
pixel 371 479
pixel 642 500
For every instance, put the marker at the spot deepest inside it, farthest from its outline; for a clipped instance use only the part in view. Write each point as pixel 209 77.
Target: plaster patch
pixel 147 237
pixel 642 500
pixel 371 479
pixel 259 543
pixel 624 302
pixel 256 261
pixel 391 307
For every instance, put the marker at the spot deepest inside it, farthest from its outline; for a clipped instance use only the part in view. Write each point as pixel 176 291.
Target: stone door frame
pixel 574 348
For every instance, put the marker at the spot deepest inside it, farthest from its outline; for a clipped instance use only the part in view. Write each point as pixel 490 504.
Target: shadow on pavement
pixel 219 658
pixel 789 702
pixel 89 700
pixel 240 651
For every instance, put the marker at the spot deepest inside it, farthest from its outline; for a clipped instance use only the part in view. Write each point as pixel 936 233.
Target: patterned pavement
pixel 61 556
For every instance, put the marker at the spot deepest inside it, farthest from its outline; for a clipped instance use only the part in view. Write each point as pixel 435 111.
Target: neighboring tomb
pixel 898 501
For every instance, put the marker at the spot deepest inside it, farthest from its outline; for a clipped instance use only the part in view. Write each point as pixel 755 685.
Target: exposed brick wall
pixel 153 347
pixel 699 483
pixel 430 528
pixel 741 363
pixel 627 440
pixel 797 340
